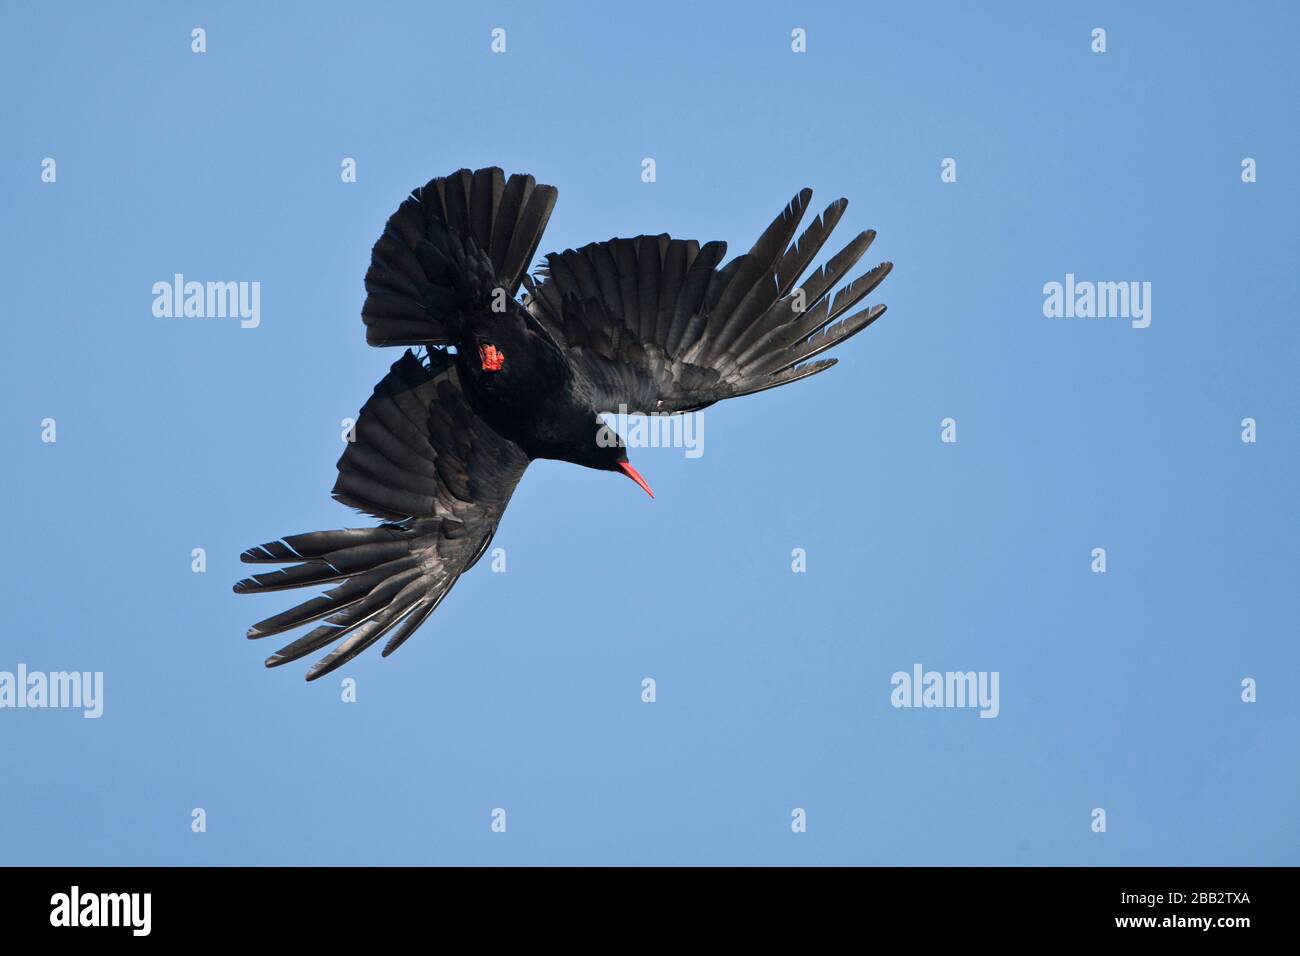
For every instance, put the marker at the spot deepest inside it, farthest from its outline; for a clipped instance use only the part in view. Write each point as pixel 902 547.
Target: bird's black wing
pixel 441 479
pixel 658 327
pixel 448 246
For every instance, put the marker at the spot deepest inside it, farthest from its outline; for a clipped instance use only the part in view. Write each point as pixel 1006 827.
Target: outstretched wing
pixel 441 478
pixel 658 327
pixel 446 248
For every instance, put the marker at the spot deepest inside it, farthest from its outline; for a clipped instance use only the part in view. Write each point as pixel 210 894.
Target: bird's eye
pixel 491 357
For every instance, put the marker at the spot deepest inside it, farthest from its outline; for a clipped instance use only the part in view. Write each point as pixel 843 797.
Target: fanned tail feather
pixel 422 460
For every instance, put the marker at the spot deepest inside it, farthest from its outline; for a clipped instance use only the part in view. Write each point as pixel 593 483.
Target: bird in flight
pixel 651 325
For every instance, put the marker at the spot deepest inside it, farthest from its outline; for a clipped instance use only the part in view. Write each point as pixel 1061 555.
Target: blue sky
pixel 1119 691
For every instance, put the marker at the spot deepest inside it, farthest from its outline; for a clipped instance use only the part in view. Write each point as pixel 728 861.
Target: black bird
pixel 651 324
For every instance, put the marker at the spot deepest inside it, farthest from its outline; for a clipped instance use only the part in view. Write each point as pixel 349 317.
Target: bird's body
pixel 649 325
pixel 526 388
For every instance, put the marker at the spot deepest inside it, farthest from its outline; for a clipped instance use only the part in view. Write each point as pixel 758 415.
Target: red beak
pixel 631 472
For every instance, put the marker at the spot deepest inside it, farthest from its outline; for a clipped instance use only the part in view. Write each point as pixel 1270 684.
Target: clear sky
pixel 1120 691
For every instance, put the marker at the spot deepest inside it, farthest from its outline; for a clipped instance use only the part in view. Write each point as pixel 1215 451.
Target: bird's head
pixel 610 454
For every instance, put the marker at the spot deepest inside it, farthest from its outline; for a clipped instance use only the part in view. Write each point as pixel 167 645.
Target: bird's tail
pixel 378 575
pixel 382 584
pixel 449 245
pixel 440 479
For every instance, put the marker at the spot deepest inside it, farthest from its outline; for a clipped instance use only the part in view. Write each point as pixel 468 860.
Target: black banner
pixel 1172 905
